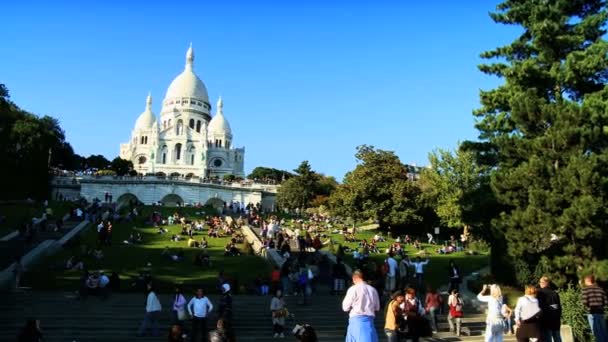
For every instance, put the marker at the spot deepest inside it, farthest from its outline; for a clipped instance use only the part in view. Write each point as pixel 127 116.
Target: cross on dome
pixel 220 106
pixel 190 58
pixel 149 101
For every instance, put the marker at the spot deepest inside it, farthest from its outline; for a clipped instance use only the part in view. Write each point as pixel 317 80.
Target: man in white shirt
pixel 199 307
pixel 391 275
pixel 361 302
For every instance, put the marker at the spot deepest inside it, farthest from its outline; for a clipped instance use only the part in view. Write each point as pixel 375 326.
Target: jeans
pixel 552 336
pixel 150 321
pixel 598 326
pixel 489 337
pixel 391 282
pixel 419 282
pixel 285 282
pixel 433 318
pixel 339 284
pixel 391 335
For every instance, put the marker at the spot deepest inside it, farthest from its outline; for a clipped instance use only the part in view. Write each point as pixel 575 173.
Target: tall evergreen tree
pixel 544 131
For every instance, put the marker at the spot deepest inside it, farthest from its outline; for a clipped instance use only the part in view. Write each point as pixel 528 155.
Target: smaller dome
pixel 219 124
pixel 147 119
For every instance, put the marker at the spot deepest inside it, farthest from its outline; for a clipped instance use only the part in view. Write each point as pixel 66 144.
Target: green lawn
pixel 129 260
pixel 436 272
pixel 13 214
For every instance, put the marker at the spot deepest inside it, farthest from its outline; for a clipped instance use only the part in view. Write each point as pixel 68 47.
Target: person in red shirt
pixel 433 303
pixel 275 278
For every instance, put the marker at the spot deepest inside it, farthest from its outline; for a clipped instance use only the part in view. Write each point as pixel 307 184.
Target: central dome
pixel 187 84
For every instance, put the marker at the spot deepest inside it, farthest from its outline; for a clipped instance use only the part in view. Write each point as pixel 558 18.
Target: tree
pixel 379 189
pixel 306 189
pixel 266 173
pixel 543 133
pixel 457 187
pixel 121 166
pixel 97 161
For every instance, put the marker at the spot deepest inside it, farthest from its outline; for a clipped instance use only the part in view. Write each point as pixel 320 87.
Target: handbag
pixel 182 315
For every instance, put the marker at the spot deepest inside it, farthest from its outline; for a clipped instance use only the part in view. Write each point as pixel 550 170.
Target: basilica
pixel 186 141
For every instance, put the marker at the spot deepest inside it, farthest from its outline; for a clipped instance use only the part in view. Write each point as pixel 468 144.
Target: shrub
pixel 106 173
pixel 574 312
pixel 479 246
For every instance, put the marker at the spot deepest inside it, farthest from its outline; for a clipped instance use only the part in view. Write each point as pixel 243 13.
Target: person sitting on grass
pixel 378 238
pixel 192 243
pixel 373 248
pixel 175 238
pixel 204 243
pixel 162 230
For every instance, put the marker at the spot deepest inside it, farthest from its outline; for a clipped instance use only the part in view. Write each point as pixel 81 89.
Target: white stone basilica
pixel 186 140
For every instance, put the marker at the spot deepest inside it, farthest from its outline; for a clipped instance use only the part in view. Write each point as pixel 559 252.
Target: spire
pixel 220 106
pixel 149 102
pixel 190 58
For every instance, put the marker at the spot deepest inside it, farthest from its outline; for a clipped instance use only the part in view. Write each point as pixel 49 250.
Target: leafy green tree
pixel 121 166
pixel 457 187
pixel 379 189
pixel 543 133
pixel 97 161
pixel 229 178
pixel 306 189
pixel 266 173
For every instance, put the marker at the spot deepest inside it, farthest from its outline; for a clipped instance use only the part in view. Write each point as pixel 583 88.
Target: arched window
pixel 180 127
pixel 198 126
pixel 164 155
pixel 191 123
pixel 192 154
pixel 178 151
pixel 146 140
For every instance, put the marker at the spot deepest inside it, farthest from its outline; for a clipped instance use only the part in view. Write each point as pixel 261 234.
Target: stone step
pixel 63 318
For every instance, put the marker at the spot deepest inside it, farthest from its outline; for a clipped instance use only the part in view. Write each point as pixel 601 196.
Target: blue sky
pixel 301 80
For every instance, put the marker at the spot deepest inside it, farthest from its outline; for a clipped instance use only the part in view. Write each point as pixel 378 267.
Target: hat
pixel 225 288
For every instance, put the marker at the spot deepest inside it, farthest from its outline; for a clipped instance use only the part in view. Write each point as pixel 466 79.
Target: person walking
pixel 495 324
pixel 551 308
pixel 527 316
pixel 433 304
pixel 178 311
pixel 394 316
pixel 404 272
pixel 199 308
pixel 594 300
pixel 279 311
pixel 413 310
pixel 391 274
pixel 153 309
pixel 339 275
pixel 361 302
pixel 454 274
pixel 225 304
pixel 455 305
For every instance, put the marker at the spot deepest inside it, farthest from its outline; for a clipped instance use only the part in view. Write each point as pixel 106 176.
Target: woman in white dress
pixel 495 320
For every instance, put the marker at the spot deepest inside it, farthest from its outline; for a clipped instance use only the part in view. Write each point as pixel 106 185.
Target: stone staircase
pixel 63 318
pixel 16 246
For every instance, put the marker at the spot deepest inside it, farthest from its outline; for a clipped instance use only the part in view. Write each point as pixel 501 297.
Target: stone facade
pixel 168 191
pixel 185 141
